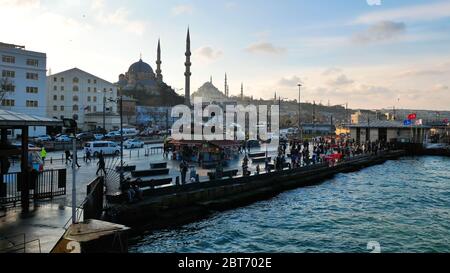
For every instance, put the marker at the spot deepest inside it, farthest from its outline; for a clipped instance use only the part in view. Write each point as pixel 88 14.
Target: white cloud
pixel 331 71
pixel 440 87
pixel 98 4
pixel 381 31
pixel 265 47
pixel 208 53
pixel 120 17
pixel 290 81
pixel 373 2
pixel 182 9
pixel 340 80
pixel 20 3
pixel 230 5
pixel 424 12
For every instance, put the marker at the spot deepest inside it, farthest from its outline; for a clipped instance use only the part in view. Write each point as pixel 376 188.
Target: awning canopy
pixel 16 119
pixel 386 124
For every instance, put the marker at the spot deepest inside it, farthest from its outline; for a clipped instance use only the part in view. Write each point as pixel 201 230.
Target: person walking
pixel 43 155
pixel 75 159
pixel 88 156
pixel 101 164
pixel 68 156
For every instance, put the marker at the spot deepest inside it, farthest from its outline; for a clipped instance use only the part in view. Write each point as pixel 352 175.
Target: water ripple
pixel 403 204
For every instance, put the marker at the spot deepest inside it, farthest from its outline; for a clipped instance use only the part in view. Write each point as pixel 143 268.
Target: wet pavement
pixel 87 171
pixel 35 232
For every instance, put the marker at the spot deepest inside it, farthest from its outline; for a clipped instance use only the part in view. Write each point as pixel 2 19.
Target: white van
pixel 130 132
pixel 107 147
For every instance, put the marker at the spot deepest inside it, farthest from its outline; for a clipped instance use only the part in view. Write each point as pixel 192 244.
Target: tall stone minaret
pixel 159 76
pixel 187 74
pixel 226 86
pixel 242 91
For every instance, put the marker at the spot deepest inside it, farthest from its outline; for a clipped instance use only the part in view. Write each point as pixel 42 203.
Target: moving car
pixel 85 136
pixel 133 143
pixel 107 147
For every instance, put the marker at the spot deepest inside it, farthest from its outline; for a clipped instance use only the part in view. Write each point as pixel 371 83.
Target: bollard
pixel 138 153
pixel 177 181
pixel 51 160
pixel 130 153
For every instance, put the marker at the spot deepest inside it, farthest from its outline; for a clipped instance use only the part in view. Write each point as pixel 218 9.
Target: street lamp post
pixel 121 138
pixel 104 112
pixel 299 112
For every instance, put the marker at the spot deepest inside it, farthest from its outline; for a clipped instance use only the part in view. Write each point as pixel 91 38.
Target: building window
pixel 32 76
pixel 75 88
pixel 104 89
pixel 62 97
pixel 88 98
pixel 62 79
pixel 8 59
pixel 95 81
pixel 89 89
pixel 55 88
pixel 8 88
pixel 95 99
pixel 75 98
pixel 75 108
pixel 95 89
pixel 8 102
pixel 75 80
pixel 62 88
pixel 55 97
pixel 55 108
pixel 62 107
pixel 95 108
pixel 55 79
pixel 32 90
pixel 8 74
pixel 89 80
pixel 32 62
pixel 32 103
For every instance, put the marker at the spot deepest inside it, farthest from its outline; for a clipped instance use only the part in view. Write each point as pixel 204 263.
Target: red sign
pixel 446 120
pixel 412 116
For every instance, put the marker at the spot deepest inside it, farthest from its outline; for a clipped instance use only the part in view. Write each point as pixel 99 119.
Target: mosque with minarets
pixel 147 86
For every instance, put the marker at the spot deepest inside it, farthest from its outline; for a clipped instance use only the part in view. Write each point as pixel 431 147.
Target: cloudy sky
pixel 370 53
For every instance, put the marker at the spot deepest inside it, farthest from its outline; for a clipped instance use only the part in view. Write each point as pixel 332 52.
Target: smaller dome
pixel 140 67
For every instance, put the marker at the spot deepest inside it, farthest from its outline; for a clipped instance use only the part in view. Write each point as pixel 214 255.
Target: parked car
pixel 63 138
pixel 99 136
pixel 43 138
pixel 133 143
pixel 107 147
pixel 112 134
pixel 85 136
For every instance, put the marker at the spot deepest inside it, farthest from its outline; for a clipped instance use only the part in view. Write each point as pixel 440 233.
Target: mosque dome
pixel 140 67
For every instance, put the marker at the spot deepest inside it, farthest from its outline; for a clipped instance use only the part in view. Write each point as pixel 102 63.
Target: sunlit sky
pixel 377 55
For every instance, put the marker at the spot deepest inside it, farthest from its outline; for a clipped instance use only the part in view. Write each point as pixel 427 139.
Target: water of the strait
pixel 404 205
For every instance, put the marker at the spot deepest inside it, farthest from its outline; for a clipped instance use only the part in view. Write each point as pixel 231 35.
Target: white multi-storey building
pixel 76 93
pixel 23 83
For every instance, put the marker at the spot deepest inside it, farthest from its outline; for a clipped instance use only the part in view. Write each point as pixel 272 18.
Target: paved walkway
pixel 44 222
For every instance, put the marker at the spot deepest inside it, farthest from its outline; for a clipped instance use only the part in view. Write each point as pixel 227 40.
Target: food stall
pixel 206 153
